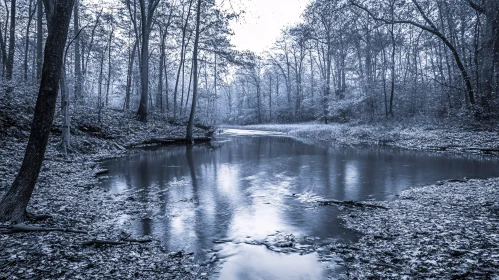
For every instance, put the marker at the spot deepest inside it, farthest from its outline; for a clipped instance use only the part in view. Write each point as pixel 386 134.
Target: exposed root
pixel 34 217
pixel 170 141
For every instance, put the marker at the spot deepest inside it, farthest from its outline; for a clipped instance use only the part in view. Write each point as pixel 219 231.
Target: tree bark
pixel 12 39
pixel 109 68
pixel 146 15
pixel 65 110
pixel 13 204
pixel 77 63
pixel 392 62
pixel 159 93
pixel 190 124
pixel 129 76
pixel 181 64
pixel 3 54
pixel 39 39
pixel 26 45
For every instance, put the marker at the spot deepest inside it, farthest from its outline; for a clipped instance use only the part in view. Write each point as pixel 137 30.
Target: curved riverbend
pixel 247 204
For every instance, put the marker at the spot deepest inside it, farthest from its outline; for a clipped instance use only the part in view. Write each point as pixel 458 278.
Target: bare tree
pixel 13 204
pixel 12 39
pixel 190 124
pixel 146 16
pixel 431 27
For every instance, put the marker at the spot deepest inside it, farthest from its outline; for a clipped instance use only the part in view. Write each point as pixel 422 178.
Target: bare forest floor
pixel 67 189
pixel 449 230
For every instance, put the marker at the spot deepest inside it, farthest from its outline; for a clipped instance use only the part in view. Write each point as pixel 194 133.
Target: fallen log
pixel 34 217
pixel 103 242
pixel 484 150
pixel 171 141
pixel 350 203
pixel 101 172
pixel 203 127
pixel 27 228
pixel 98 242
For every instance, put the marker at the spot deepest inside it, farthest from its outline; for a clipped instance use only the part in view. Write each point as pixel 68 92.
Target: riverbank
pixel 444 137
pixel 448 230
pixel 68 190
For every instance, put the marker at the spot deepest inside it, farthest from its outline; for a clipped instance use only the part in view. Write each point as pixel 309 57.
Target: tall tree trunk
pixel 77 57
pixel 144 66
pixel 327 90
pixel 99 93
pixel 167 91
pixel 3 54
pixel 129 76
pixel 159 94
pixel 490 53
pixel 109 68
pixel 270 98
pixel 39 39
pixel 26 45
pixel 190 124
pixel 66 134
pixel 182 113
pixel 13 204
pixel 392 62
pixel 12 39
pixel 182 60
pixel 146 16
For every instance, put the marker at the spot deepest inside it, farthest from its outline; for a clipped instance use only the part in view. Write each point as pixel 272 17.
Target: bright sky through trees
pixel 262 21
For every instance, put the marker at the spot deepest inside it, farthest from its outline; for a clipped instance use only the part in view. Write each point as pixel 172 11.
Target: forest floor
pixel 448 230
pixel 67 189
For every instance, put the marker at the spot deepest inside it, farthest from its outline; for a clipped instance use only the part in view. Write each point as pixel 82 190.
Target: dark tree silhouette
pixel 14 203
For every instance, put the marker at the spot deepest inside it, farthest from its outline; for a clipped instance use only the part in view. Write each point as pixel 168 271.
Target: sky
pixel 262 21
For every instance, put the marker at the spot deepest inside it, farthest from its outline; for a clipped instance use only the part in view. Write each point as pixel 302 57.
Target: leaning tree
pixel 14 203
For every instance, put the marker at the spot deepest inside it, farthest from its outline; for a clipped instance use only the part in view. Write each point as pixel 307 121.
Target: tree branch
pixel 476 7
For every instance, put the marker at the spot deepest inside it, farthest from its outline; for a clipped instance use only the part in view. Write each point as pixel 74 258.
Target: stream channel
pixel 247 203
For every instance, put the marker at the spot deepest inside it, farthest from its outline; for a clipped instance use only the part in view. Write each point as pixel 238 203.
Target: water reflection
pixel 245 191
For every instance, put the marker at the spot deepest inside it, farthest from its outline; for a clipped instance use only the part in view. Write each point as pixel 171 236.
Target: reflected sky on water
pixel 244 189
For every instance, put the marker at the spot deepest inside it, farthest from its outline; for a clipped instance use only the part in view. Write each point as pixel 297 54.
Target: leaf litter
pixel 67 189
pixel 447 230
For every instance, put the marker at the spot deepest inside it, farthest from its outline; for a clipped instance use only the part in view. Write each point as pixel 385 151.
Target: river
pixel 246 205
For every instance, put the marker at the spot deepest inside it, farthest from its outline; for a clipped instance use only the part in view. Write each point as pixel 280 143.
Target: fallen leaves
pixel 439 231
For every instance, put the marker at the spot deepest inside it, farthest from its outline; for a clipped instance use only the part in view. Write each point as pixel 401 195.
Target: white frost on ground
pixel 447 138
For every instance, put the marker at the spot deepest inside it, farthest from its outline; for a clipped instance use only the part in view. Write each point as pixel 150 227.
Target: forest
pixel 82 81
pixel 343 61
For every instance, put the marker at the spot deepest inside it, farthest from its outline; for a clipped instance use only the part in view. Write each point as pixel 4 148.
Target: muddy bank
pixel 67 190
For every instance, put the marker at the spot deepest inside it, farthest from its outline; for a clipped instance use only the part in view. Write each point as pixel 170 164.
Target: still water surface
pixel 230 202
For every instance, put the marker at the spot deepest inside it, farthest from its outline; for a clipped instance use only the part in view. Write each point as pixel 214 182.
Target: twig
pixel 113 242
pixel 351 203
pixel 27 228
